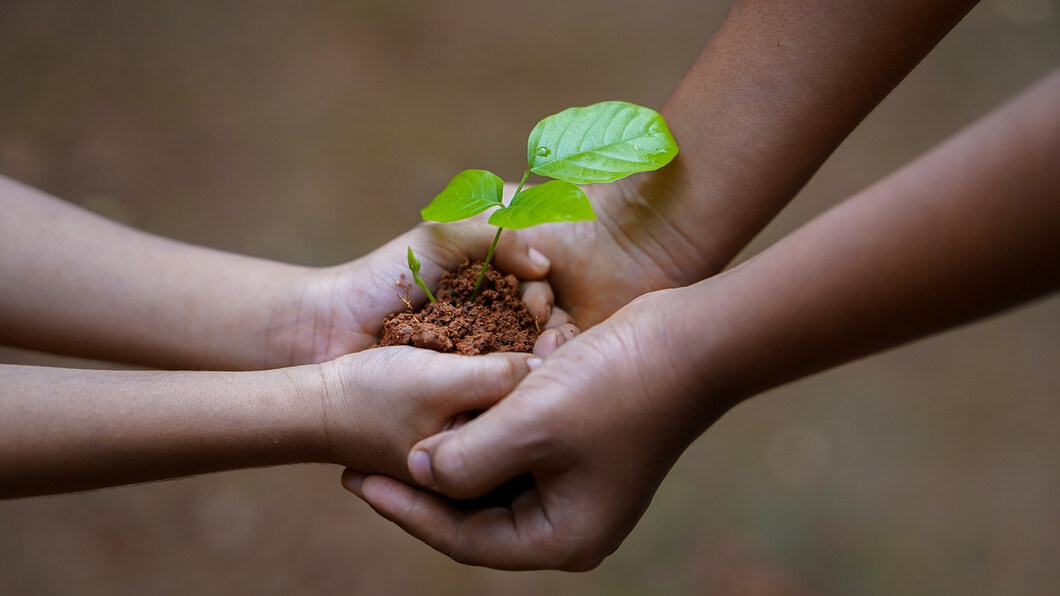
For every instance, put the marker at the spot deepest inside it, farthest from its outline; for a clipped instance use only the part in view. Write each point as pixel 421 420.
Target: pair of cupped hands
pixel 596 417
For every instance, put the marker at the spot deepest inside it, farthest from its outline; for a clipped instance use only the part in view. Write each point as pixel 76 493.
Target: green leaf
pixel 414 266
pixel 552 201
pixel 414 263
pixel 600 143
pixel 470 192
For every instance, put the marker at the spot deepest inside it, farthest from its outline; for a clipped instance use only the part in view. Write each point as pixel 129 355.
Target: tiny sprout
pixel 603 142
pixel 414 266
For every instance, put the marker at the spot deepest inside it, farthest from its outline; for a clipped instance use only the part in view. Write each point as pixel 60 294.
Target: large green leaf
pixel 600 143
pixel 470 192
pixel 550 202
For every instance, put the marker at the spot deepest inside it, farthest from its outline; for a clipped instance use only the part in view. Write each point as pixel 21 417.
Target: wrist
pixel 741 334
pixel 646 216
pixel 301 420
pixel 295 316
pixel 672 355
pixel 330 428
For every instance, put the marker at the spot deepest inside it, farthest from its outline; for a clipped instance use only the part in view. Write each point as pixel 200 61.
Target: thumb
pixel 478 457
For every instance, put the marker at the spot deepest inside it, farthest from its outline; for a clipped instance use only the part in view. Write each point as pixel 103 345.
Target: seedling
pixel 599 143
pixel 414 266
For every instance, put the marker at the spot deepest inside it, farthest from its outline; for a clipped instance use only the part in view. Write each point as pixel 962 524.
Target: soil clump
pixel 498 320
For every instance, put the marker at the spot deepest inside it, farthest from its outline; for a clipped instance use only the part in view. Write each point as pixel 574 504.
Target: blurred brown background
pixel 313 131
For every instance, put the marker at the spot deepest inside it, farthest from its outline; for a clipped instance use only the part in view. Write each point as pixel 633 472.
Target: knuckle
pixel 507 371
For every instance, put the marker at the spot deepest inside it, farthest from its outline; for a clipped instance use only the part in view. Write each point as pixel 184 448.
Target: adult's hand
pixel 773 93
pixel 597 425
pixel 963 232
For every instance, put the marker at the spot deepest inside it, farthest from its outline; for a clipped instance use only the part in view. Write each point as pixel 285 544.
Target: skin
pixel 148 300
pixel 965 231
pixel 770 97
pixel 756 96
pixel 64 430
pixel 91 287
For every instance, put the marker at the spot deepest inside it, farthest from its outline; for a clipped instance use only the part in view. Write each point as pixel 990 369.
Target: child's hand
pixel 378 403
pixel 340 310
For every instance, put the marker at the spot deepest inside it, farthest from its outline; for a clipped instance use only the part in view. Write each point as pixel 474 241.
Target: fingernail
pixel 420 468
pixel 538 258
pixel 533 362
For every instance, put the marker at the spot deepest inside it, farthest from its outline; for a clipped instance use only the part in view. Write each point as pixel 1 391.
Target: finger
pixel 475 382
pixel 351 481
pixel 468 463
pixel 551 339
pixel 512 539
pixel 538 298
pixel 515 256
pixel 558 318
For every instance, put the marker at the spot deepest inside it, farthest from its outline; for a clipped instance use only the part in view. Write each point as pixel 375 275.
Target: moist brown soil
pixel 497 321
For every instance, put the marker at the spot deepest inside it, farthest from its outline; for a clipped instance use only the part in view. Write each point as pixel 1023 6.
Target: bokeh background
pixel 313 131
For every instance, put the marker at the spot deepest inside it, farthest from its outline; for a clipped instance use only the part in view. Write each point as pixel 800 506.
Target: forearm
pixel 79 284
pixel 966 231
pixel 774 92
pixel 69 430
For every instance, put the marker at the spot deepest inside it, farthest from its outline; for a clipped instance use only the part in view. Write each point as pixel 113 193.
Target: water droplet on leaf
pixel 543 152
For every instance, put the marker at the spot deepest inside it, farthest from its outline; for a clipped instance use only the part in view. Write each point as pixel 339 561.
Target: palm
pixel 342 308
pixel 350 301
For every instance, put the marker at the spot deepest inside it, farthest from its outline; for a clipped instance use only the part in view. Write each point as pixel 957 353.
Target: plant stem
pixel 426 290
pixel 493 247
pixel 482 272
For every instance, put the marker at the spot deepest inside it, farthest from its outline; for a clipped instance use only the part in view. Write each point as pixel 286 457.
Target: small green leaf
pixel 552 201
pixel 414 263
pixel 414 266
pixel 470 192
pixel 600 143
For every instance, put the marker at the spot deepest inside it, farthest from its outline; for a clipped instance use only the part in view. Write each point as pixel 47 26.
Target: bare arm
pixel 79 284
pixel 968 230
pixel 777 89
pixel 68 430
pixel 76 283
pixel 773 93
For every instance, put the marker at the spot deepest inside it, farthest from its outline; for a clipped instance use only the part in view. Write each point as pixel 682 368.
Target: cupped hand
pixel 597 425
pixel 378 403
pixel 629 250
pixel 339 310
